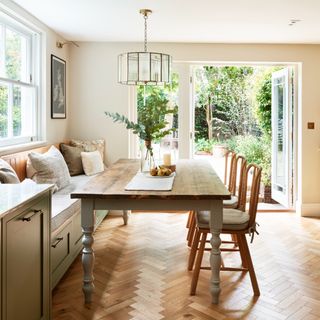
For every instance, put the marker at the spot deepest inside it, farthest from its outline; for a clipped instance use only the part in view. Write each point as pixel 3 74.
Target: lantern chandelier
pixel 144 68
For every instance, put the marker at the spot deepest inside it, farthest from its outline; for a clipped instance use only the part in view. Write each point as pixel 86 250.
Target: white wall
pixel 55 129
pixel 94 89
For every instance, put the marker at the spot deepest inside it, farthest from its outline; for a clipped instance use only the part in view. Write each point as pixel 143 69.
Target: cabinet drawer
pixel 60 247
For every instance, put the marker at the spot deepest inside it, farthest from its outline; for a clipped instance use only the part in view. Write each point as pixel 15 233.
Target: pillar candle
pixel 167 159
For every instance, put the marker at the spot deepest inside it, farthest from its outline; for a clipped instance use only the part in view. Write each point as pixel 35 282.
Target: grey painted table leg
pixel 126 215
pixel 215 257
pixel 87 223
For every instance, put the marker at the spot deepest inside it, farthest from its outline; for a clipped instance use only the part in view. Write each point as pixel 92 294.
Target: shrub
pixel 255 150
pixel 204 145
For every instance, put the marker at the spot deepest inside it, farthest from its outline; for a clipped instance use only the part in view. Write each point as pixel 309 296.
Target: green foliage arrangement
pixel 151 124
pixel 153 109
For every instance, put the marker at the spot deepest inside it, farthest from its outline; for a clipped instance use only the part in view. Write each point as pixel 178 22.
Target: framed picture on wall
pixel 58 88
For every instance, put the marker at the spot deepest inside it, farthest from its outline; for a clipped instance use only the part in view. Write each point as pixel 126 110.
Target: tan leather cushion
pixel 231 203
pixel 233 219
pixel 72 156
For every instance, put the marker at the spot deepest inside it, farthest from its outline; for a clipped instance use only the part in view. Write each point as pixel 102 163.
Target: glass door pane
pixel 280 134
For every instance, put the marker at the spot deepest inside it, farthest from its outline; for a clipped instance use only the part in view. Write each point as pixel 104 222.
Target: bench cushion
pixel 63 207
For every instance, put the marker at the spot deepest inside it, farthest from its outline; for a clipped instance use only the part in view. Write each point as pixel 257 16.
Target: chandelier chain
pixel 145 32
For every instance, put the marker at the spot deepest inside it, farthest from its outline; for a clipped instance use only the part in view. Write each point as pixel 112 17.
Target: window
pixel 19 85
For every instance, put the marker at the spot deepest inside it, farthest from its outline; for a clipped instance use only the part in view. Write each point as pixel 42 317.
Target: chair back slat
pixel 229 175
pixel 237 179
pixel 254 194
pixel 253 173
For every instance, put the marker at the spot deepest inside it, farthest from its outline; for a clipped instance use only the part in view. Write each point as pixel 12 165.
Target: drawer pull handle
pixel 58 240
pixel 30 215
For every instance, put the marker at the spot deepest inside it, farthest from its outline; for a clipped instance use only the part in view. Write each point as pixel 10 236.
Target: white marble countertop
pixel 14 195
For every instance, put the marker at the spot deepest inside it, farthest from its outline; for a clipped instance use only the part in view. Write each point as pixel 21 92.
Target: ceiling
pixel 209 21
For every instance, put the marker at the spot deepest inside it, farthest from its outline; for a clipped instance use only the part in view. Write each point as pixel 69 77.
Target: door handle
pixel 58 240
pixel 30 215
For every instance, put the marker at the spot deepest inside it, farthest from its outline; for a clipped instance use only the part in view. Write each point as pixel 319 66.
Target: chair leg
pixel 192 230
pixel 241 250
pixel 196 271
pixel 235 239
pixel 253 277
pixel 194 249
pixel 189 219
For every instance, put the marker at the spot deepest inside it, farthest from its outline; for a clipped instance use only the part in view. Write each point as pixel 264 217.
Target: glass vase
pixel 146 155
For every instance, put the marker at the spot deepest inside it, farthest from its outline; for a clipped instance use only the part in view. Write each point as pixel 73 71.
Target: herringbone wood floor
pixel 140 273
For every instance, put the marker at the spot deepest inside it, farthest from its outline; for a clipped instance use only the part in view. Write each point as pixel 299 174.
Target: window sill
pixel 21 147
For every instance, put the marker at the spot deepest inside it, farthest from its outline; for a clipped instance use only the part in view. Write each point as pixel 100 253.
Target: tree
pixel 263 100
pixel 222 94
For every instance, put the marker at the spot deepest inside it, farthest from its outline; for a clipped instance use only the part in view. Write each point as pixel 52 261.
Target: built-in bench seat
pixel 66 232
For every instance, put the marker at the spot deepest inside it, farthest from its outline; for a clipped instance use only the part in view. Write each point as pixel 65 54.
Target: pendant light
pixel 144 68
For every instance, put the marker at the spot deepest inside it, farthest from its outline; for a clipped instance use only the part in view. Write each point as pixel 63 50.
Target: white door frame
pixel 281 191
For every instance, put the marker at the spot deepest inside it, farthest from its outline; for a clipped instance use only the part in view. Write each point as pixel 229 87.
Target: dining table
pixel 196 186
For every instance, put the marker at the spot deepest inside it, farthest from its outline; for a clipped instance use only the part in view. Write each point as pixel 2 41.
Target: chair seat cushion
pixel 233 219
pixel 231 203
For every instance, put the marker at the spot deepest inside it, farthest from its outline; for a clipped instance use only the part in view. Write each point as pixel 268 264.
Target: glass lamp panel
pixel 133 64
pixel 155 67
pixel 165 68
pixel 123 69
pixel 144 66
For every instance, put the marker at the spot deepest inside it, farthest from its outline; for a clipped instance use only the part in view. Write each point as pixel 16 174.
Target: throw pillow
pixel 51 168
pixel 89 145
pixel 31 171
pixel 72 156
pixel 7 174
pixel 92 162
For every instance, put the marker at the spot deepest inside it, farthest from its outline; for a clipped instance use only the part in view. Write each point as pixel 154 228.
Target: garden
pixel 233 109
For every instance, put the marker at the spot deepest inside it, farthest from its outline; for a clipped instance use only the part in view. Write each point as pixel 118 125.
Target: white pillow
pixel 92 162
pixel 51 168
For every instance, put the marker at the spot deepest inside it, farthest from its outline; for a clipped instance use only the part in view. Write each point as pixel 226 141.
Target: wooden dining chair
pixel 235 181
pixel 237 167
pixel 229 167
pixel 236 222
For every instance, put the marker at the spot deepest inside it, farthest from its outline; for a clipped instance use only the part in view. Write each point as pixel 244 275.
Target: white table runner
pixel 143 182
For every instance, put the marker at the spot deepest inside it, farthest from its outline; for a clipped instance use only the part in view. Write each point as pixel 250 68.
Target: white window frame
pixel 33 80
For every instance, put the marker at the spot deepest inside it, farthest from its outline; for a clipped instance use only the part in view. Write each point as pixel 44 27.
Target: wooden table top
pixel 195 179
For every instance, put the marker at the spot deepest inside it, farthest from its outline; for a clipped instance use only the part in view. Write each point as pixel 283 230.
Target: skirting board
pixel 308 209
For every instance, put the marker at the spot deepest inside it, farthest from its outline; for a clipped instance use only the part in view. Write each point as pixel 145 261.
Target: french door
pixel 282 143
